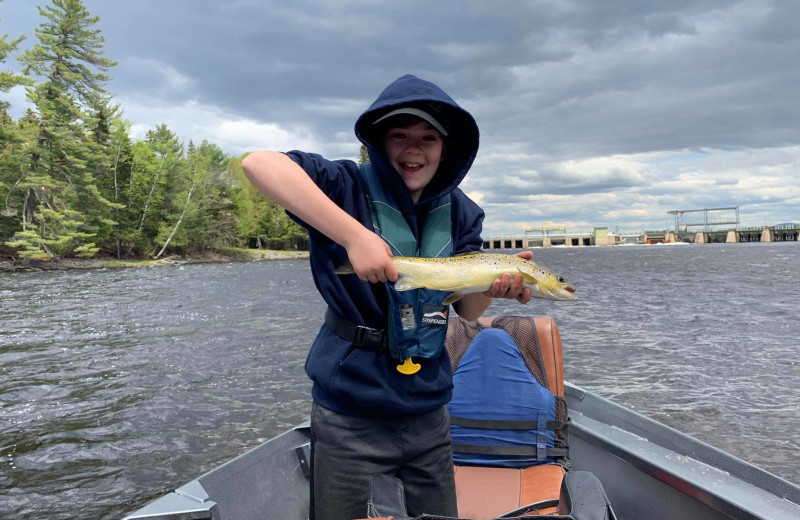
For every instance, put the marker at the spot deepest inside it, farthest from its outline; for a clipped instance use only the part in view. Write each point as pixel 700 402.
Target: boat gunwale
pixel 626 423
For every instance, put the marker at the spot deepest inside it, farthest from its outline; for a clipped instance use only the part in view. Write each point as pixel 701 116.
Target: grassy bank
pixel 217 256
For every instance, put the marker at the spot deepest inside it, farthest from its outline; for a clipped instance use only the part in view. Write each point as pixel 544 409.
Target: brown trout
pixel 474 272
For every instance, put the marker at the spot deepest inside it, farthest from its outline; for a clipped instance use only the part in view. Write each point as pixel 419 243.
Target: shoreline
pixel 209 257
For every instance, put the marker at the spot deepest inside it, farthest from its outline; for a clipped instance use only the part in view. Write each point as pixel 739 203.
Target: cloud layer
pixel 591 113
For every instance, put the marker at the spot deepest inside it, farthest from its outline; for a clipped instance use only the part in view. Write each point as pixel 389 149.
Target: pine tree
pixel 363 156
pixel 65 212
pixel 12 160
pixel 68 51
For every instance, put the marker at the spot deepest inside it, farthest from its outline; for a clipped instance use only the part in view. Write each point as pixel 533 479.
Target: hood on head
pixel 461 140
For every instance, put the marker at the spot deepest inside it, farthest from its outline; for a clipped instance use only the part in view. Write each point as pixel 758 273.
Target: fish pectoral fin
pixel 453 297
pixel 526 277
pixel 406 283
pixel 346 268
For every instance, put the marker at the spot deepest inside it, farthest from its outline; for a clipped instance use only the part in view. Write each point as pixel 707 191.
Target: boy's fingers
pixel 509 285
pixel 516 287
pixel 391 272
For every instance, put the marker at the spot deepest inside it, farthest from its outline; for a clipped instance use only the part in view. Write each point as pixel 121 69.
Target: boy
pixel 368 417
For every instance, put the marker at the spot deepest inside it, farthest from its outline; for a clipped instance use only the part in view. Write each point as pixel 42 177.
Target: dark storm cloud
pixel 610 77
pixel 553 85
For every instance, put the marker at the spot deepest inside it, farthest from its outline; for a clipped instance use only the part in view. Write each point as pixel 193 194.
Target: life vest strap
pixel 362 337
pixel 505 451
pixel 491 424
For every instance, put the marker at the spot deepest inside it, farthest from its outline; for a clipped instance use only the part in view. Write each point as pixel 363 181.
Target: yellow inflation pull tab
pixel 408 367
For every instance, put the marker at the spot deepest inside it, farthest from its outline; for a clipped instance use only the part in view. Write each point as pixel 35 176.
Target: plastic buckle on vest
pixel 368 338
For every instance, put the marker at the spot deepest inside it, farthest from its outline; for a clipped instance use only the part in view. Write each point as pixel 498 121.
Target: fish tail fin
pixel 345 268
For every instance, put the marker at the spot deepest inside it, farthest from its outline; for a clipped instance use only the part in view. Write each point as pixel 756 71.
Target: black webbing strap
pixel 489 424
pixel 362 337
pixel 538 450
pixel 522 451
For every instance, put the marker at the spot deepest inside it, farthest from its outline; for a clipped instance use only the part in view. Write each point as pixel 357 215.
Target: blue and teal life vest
pixel 417 324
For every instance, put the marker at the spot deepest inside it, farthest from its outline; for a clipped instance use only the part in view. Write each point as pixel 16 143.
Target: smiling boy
pixel 367 417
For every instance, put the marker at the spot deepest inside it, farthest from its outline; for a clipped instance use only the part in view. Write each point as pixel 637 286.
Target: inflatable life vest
pixel 507 408
pixel 418 318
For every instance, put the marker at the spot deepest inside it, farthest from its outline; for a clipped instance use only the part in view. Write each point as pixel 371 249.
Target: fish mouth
pixel 567 293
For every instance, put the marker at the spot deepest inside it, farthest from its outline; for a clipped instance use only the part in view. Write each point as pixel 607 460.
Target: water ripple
pixel 118 385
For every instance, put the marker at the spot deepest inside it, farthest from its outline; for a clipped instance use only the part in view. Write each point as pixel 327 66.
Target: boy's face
pixel 415 151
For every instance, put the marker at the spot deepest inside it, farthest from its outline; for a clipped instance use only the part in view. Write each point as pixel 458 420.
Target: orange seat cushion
pixel 489 492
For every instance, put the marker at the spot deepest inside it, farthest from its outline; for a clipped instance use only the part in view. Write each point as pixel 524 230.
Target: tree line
pixel 74 184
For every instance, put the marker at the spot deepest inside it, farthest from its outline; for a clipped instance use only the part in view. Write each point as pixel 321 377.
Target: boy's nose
pixel 414 146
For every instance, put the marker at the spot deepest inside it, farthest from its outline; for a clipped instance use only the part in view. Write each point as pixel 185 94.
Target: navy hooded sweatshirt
pixel 360 382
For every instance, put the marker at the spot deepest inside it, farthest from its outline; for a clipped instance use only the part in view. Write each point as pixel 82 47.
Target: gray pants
pixel 346 451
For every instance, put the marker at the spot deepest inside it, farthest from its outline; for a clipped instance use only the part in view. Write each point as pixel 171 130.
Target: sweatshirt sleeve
pixel 334 178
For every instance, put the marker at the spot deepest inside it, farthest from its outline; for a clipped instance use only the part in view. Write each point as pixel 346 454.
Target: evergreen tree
pixel 8 79
pixel 68 51
pixel 12 160
pixel 65 212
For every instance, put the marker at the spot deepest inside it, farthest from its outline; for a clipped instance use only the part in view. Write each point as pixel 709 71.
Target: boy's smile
pixel 415 151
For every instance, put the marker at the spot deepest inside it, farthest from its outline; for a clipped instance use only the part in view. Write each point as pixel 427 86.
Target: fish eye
pixel 561 279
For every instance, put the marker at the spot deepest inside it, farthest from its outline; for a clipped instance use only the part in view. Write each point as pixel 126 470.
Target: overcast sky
pixel 592 113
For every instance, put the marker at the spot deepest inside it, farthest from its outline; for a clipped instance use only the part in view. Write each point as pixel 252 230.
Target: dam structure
pixel 696 226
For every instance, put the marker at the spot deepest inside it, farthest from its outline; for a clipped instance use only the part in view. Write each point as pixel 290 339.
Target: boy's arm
pixel 282 180
pixel 472 306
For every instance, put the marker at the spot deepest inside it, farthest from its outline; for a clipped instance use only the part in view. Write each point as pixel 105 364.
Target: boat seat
pixel 483 492
pixel 516 493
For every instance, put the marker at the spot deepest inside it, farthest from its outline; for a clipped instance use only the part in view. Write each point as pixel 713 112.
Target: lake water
pixel 116 386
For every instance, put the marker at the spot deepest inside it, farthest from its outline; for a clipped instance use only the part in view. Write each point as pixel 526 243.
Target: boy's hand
pixel 371 258
pixel 505 287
